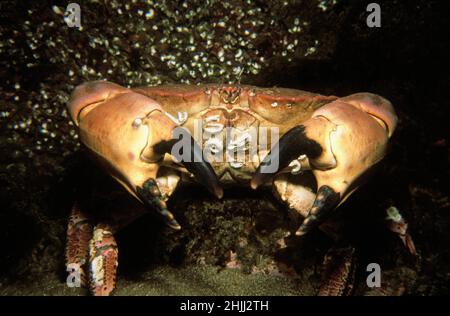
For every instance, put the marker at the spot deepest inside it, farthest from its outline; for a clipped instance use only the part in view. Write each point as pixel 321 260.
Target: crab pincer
pixel 342 141
pixel 131 135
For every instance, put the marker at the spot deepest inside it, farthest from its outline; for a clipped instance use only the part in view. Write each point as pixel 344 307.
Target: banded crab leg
pixel 91 251
pixel 91 248
pixel 79 232
pixel 103 260
pixel 342 141
pixel 338 272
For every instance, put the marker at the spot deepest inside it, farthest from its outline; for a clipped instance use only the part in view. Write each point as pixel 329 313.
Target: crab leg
pixel 150 194
pixel 92 252
pixel 79 232
pixel 91 249
pixel 103 260
pixel 338 272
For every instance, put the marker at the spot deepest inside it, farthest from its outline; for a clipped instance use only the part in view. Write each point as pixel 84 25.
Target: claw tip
pixel 218 192
pixel 174 225
pixel 300 232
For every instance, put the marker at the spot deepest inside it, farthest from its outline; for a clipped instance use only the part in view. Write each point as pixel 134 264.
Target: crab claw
pixel 193 159
pixel 130 135
pixel 293 144
pixel 342 140
pixel 150 194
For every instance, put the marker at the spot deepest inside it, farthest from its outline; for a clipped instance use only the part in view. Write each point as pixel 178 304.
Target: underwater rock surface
pixel 316 45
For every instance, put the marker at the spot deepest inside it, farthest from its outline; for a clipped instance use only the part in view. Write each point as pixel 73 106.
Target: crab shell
pixel 121 127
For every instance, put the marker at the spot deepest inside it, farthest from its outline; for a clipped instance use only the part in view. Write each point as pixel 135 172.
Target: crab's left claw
pixel 342 141
pixel 130 134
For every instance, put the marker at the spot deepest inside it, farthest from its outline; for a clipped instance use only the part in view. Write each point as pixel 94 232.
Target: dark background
pixel 42 168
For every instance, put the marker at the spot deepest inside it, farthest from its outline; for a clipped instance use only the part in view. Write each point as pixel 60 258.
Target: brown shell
pixel 275 106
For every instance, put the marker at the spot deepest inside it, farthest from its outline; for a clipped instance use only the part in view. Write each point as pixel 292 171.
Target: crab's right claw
pixel 342 140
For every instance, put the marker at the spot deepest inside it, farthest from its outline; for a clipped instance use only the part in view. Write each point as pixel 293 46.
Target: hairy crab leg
pixel 103 260
pixel 79 232
pixel 91 248
pixel 338 272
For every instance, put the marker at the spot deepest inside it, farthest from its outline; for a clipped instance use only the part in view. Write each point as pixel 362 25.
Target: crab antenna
pixel 239 76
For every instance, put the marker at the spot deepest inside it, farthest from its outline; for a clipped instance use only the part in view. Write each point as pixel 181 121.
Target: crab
pixel 150 139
